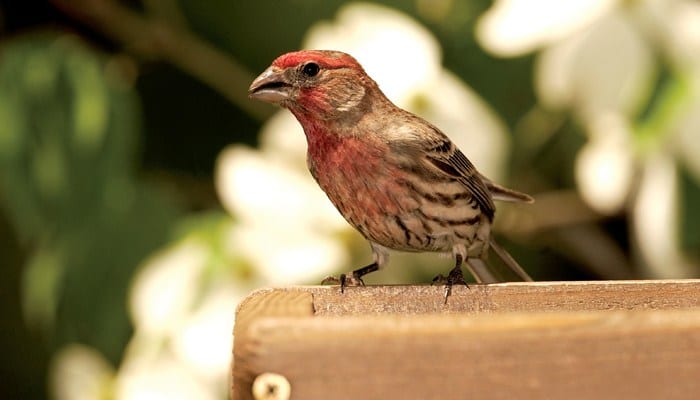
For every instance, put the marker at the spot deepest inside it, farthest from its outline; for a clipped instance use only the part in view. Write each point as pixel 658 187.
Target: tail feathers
pixel 509 261
pixel 503 193
pixel 480 271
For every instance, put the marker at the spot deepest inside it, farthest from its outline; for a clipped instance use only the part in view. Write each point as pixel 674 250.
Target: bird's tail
pixel 481 271
pixel 509 261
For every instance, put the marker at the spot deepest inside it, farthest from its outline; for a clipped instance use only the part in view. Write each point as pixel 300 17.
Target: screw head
pixel 271 386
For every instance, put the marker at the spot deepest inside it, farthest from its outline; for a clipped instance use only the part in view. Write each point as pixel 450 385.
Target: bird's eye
pixel 311 69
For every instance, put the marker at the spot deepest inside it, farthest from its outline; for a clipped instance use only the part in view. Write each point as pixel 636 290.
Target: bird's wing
pixel 419 140
pixel 448 159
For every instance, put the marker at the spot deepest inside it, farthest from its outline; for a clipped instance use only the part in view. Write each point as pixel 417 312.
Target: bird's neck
pixel 328 127
pixel 322 136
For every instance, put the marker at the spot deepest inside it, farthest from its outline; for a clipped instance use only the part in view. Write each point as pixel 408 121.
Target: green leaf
pixel 690 212
pixel 67 185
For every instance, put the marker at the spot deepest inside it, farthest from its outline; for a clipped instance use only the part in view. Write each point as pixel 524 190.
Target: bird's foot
pixel 344 280
pixel 352 278
pixel 455 277
pixel 440 280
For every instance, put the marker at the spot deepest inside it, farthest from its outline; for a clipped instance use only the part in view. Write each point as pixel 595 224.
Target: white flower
pixel 166 286
pixel 183 321
pixel 597 61
pixel 516 27
pixel 259 188
pixel 146 377
pixel 656 220
pixel 605 166
pixel 676 25
pixel 287 226
pixel 204 340
pixel 79 372
pixel 607 68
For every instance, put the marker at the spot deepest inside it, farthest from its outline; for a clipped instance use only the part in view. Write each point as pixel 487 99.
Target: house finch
pixel 395 177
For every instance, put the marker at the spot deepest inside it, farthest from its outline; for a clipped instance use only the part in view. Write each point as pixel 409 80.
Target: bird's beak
pixel 271 86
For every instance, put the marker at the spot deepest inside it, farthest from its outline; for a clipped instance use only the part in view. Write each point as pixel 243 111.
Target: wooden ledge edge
pixel 587 330
pixel 475 299
pixel 273 302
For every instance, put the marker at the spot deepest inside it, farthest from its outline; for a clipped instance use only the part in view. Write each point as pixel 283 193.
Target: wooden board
pixel 574 340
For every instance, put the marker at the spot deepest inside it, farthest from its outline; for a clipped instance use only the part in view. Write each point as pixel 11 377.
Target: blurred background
pixel 142 194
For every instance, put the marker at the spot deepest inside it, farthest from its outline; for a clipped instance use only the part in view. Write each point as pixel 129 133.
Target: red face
pixel 324 58
pixel 297 72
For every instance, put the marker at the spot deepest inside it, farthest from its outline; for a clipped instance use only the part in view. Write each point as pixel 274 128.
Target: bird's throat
pixel 320 138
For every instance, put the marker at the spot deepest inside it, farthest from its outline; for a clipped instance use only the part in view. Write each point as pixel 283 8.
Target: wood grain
pixel 625 339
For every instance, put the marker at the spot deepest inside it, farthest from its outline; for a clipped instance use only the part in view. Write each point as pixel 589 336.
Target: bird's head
pixel 324 83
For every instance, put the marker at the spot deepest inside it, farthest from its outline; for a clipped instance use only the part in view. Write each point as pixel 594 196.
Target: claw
pixel 455 277
pixel 330 280
pixel 344 280
pixel 448 292
pixel 439 280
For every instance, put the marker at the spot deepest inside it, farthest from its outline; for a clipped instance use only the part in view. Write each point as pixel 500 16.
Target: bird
pixel 395 177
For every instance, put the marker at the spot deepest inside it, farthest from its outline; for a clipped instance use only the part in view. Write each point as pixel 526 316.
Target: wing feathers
pixel 446 159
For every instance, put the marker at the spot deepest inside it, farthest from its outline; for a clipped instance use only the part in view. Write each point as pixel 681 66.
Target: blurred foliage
pixel 690 229
pixel 69 186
